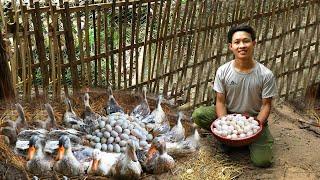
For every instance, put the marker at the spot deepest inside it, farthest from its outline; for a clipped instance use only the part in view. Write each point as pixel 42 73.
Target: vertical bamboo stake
pixel 120 19
pixel 98 47
pixel 80 41
pixel 87 42
pixel 107 51
pixel 113 78
pixel 124 44
pixel 133 30
pixel 145 47
pixel 137 42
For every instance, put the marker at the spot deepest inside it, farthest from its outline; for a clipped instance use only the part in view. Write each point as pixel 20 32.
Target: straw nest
pixel 205 164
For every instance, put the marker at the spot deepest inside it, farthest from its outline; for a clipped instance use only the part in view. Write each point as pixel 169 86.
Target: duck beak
pixel 31 151
pixel 152 151
pixel 60 153
pixel 95 164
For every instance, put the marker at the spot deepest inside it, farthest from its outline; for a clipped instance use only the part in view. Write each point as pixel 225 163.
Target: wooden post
pixel 6 86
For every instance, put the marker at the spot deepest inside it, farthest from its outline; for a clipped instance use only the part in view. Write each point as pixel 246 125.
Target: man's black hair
pixel 241 27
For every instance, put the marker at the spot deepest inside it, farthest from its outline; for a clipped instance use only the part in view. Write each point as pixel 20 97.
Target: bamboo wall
pixel 172 47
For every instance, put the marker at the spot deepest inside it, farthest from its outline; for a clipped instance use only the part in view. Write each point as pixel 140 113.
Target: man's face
pixel 242 45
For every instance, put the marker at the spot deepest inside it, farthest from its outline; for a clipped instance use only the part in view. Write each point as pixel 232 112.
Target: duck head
pixel 35 146
pixel 159 100
pixel 96 157
pixel 86 98
pixel 155 145
pixel 131 151
pixel 64 146
pixel 68 105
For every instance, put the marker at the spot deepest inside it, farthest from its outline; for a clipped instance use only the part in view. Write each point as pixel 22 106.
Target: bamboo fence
pixel 172 47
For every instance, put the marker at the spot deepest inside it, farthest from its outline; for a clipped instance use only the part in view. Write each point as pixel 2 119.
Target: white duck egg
pixel 100 134
pixel 102 124
pixel 117 139
pixel 249 133
pixel 97 139
pixel 103 140
pixel 114 133
pixel 215 123
pixel 89 136
pixel 124 136
pixel 108 127
pixel 106 134
pixel 96 131
pixel 98 146
pixel 224 133
pixel 218 132
pixel 234 136
pixel 118 129
pixel 219 127
pixel 123 149
pixel 225 127
pixel 231 128
pixel 123 143
pixel 126 131
pixel 234 132
pixel 110 147
pixel 255 122
pixel 113 123
pixel 110 140
pixel 228 136
pixel 251 119
pixel 240 131
pixel 242 135
pixel 125 125
pixel 130 126
pixel 104 147
pixel 254 131
pixel 116 148
pixel 246 129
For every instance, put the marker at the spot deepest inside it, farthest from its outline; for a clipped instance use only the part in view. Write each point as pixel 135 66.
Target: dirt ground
pixel 296 148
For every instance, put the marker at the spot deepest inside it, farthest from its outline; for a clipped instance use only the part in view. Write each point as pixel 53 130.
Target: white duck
pixel 67 164
pixel 112 105
pixel 157 119
pixel 185 147
pixel 128 166
pixel 37 162
pixel 177 133
pixel 142 110
pixel 160 161
pixel 102 162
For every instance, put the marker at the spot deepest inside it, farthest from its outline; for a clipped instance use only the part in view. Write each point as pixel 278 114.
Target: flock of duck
pixel 114 144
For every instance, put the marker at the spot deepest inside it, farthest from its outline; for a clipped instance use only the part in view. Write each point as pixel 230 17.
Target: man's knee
pixel 262 162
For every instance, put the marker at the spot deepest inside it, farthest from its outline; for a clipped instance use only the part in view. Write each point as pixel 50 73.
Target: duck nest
pixel 204 164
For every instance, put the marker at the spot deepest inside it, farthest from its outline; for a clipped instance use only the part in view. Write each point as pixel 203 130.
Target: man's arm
pixel 265 110
pixel 221 109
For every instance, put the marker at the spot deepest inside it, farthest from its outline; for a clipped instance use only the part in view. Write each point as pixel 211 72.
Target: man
pixel 243 85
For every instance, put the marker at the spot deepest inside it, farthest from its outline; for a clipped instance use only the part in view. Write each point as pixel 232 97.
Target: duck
pixel 37 162
pixel 177 133
pixel 90 118
pixel 128 166
pixel 10 135
pixel 142 110
pixel 50 123
pixel 112 105
pixel 23 140
pixel 157 120
pixel 20 123
pixel 67 164
pixel 160 161
pixel 70 119
pixel 182 148
pixel 102 162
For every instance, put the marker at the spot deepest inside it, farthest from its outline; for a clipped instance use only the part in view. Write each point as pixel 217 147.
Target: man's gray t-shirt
pixel 244 91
